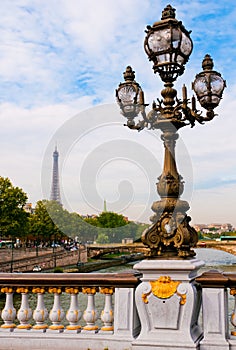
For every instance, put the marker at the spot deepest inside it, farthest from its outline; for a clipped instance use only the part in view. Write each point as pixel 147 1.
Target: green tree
pixel 41 225
pixel 52 222
pixel 102 238
pixel 108 227
pixel 13 217
pixel 108 220
pixel 70 224
pixel 115 227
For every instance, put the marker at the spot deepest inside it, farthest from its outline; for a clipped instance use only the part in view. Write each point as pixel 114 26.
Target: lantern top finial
pixel 168 12
pixel 129 74
pixel 207 63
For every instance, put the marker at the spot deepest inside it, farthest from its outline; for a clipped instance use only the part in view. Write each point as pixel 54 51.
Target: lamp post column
pixel 168 300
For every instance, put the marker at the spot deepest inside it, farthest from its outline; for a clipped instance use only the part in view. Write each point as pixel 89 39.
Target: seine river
pixel 216 259
pixel 213 258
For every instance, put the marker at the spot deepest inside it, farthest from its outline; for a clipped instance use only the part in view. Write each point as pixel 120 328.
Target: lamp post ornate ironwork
pixel 168 45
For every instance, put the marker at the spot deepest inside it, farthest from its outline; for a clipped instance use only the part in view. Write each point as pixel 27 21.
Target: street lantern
pixel 130 96
pixel 209 85
pixel 168 45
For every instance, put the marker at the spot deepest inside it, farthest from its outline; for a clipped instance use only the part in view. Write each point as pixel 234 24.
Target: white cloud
pixel 60 57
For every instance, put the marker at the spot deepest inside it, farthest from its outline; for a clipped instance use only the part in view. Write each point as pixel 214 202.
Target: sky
pixel 60 63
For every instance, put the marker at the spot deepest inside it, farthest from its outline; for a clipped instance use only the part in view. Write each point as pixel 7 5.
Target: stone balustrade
pixel 120 311
pixel 218 310
pixel 68 321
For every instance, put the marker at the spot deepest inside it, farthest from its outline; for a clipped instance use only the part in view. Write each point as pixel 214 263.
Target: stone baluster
pixel 73 315
pixel 9 312
pixel 90 314
pixel 233 316
pixel 40 314
pixel 24 313
pixel 107 313
pixel 56 314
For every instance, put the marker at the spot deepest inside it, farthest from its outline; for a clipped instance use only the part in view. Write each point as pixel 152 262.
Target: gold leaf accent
pixel 107 290
pixel 233 291
pixel 56 327
pixel 90 328
pixel 22 290
pixel 72 290
pixel 24 326
pixel 89 290
pixel 73 328
pixel 144 297
pixel 7 290
pixel 38 290
pixel 183 298
pixel 164 287
pixel 54 290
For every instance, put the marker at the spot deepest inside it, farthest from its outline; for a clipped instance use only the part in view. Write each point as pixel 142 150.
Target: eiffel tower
pixel 55 189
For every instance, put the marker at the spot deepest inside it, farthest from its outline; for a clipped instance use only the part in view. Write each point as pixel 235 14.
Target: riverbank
pixel 24 260
pixel 103 264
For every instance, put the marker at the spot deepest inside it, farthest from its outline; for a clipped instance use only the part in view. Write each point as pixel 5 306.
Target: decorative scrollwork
pixel 173 231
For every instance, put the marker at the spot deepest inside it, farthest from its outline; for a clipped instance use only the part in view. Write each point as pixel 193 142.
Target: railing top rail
pixel 122 280
pixel 231 278
pixel 217 279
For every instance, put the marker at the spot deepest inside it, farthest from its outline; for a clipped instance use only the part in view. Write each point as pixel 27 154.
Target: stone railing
pixel 164 305
pixel 218 310
pixel 67 322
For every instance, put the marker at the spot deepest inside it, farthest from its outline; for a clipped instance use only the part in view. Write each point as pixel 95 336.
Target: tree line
pixel 50 222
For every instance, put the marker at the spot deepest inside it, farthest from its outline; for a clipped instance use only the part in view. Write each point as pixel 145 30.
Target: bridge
pixel 98 250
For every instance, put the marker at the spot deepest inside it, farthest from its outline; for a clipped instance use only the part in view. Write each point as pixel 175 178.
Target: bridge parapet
pixel 60 325
pixel 157 307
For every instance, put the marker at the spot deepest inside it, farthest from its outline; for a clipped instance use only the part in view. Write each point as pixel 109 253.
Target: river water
pixel 213 258
pixel 216 259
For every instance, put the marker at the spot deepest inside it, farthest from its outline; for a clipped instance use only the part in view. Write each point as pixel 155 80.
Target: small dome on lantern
pixel 208 85
pixel 168 45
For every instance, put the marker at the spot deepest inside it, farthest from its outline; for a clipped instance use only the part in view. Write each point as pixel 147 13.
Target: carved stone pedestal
pixel 168 304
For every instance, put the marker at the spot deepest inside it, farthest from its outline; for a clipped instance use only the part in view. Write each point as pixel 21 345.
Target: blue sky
pixel 61 58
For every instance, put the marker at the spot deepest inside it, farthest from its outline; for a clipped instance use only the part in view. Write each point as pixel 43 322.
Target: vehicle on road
pixel 37 268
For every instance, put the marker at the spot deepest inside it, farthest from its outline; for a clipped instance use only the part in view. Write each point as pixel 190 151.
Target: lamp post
pixel 169 46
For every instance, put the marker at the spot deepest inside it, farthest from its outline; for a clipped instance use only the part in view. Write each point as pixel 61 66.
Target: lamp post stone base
pixel 168 304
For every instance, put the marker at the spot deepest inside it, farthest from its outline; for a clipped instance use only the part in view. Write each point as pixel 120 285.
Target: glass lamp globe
pixel 168 45
pixel 129 95
pixel 208 85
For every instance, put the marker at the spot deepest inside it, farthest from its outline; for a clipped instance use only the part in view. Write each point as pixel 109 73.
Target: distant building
pixel 88 216
pixel 28 208
pixel 104 206
pixel 199 227
pixel 127 240
pixel 227 227
pixel 214 228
